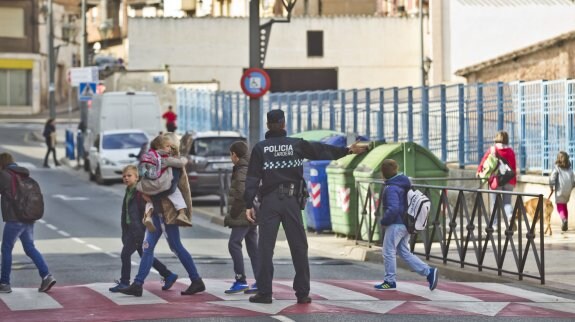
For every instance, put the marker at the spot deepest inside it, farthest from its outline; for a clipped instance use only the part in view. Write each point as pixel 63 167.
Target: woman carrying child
pixel 167 214
pixel 133 231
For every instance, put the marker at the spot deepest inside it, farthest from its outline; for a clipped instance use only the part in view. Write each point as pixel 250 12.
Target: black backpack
pixel 27 199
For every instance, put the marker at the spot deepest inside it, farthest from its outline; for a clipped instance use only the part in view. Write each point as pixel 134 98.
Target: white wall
pixel 478 30
pixel 368 51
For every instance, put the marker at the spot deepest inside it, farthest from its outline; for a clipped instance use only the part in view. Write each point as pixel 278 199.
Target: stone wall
pixel 548 63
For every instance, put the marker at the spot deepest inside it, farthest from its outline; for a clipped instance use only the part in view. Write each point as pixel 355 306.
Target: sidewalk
pixel 559 274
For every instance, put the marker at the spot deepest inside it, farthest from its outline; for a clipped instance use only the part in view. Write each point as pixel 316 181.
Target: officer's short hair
pixel 5 159
pixel 240 148
pixel 389 168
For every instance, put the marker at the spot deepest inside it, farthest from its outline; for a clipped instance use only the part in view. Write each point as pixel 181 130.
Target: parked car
pixel 112 151
pixel 208 156
pixel 108 63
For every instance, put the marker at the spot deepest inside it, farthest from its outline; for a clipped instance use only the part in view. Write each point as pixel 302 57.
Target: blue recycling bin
pixel 317 207
pixel 70 145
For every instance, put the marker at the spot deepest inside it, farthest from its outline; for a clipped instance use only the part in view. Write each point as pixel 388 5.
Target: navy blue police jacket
pixel 279 160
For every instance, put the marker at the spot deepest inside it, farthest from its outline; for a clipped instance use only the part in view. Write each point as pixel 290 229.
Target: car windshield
pixel 211 147
pixel 120 141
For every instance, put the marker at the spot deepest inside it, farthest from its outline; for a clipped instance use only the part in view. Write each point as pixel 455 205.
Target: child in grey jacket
pixel 562 182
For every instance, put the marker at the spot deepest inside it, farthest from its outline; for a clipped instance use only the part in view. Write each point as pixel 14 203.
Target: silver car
pixel 112 151
pixel 208 159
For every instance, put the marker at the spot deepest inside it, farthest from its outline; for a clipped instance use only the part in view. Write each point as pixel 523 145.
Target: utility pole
pixel 255 62
pixel 83 60
pixel 51 62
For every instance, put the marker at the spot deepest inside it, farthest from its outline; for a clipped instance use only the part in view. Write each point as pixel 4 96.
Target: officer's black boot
pixel 261 298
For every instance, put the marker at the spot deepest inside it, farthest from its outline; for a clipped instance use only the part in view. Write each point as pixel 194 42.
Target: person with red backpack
pixel 133 231
pixel 20 209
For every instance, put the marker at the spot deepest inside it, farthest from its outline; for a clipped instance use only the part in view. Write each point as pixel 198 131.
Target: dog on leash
pixel 530 208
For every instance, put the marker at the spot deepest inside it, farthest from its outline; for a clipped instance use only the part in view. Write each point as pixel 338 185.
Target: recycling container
pixel 405 154
pixel 317 208
pixel 70 145
pixel 342 193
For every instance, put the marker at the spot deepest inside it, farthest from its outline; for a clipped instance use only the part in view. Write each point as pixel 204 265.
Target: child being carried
pixel 155 170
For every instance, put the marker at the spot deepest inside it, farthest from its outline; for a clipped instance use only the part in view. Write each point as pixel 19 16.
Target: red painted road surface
pixel 92 302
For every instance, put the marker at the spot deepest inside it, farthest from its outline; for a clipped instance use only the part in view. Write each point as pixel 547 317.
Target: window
pixel 315 43
pixel 124 141
pixel 15 87
pixel 213 147
pixel 12 22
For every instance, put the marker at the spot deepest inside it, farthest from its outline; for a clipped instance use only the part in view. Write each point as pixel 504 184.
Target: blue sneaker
pixel 119 285
pixel 237 287
pixel 432 278
pixel 169 281
pixel 385 286
pixel 252 290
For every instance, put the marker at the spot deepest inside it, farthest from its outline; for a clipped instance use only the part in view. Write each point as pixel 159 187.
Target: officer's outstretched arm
pixel 320 151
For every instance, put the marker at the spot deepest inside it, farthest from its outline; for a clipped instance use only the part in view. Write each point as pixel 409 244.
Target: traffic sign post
pixel 255 82
pixel 83 75
pixel 86 91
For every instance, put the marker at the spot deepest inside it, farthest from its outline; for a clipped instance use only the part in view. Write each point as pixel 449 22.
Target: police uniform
pixel 275 172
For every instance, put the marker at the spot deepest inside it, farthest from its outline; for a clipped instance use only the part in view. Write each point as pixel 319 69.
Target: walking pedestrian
pixel 396 237
pixel 236 219
pixel 170 118
pixel 562 182
pixel 501 149
pixel 50 138
pixel 133 231
pixel 276 163
pixel 15 229
pixel 166 218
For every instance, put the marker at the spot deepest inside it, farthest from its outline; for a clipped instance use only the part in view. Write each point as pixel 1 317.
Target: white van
pixel 119 111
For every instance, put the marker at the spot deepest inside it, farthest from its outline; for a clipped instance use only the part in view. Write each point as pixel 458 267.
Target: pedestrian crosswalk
pixel 95 303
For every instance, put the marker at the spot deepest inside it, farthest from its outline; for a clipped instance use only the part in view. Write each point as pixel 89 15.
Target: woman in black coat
pixel 50 137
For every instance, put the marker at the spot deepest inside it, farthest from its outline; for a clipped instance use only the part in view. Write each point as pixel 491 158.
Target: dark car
pixel 208 159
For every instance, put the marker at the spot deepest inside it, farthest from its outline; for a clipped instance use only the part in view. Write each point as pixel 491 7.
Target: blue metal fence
pixel 456 122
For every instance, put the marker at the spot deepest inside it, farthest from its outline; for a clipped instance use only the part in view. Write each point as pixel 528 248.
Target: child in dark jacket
pixel 133 231
pixel 396 238
pixel 236 219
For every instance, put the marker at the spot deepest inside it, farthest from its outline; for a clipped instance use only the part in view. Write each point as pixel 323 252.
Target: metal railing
pixel 463 229
pixel 457 122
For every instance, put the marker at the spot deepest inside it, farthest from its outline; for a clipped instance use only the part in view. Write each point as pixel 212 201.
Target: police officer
pixel 276 163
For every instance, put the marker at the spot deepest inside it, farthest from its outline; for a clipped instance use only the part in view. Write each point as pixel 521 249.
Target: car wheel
pixel 99 179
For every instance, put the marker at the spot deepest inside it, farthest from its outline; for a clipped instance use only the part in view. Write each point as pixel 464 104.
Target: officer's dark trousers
pixel 275 209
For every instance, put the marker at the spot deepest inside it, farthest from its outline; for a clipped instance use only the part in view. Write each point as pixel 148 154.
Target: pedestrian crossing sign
pixel 86 91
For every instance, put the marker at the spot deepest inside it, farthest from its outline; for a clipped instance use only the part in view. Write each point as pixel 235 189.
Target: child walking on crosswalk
pixel 133 231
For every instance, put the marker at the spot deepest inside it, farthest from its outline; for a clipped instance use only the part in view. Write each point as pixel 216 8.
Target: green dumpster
pixel 313 135
pixel 342 192
pixel 405 154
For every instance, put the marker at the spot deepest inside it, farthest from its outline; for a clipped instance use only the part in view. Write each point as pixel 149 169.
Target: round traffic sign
pixel 255 82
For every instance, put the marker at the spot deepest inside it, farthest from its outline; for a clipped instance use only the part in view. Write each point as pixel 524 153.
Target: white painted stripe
pixel 435 295
pixel 96 248
pixel 122 299
pixel 380 307
pixel 63 233
pixel 483 308
pixel 515 291
pixel 274 308
pixel 217 288
pixel 78 240
pixel 28 299
pixel 42 221
pixel 331 292
pixel 112 255
pixel 52 227
pixel 282 318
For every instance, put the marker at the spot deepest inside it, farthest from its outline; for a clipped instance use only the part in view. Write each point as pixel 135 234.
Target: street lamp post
pixel 51 62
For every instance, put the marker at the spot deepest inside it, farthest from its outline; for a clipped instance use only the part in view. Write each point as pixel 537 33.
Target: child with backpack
pixel 236 219
pixel 156 176
pixel 396 238
pixel 22 204
pixel 133 231
pixel 562 182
